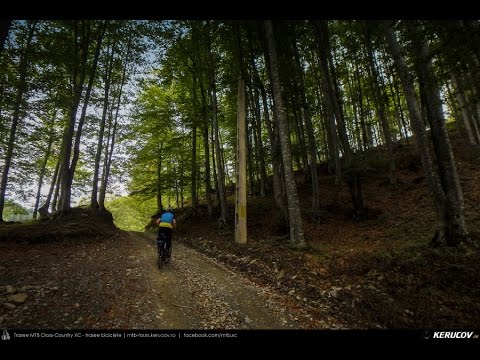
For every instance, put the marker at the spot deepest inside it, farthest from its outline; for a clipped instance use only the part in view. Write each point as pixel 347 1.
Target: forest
pixel 359 175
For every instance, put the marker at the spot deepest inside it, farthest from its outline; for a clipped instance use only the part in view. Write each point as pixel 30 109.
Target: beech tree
pixel 294 214
pixel 443 177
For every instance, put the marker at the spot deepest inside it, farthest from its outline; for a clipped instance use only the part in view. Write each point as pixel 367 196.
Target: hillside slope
pixel 380 270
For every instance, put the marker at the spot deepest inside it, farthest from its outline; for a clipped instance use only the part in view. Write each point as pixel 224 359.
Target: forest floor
pixel 380 272
pixel 82 272
pixel 114 283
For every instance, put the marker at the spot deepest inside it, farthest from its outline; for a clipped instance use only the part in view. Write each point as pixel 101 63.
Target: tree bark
pixel 279 192
pixel 57 186
pixel 98 155
pixel 66 177
pixel 333 158
pixel 380 102
pixel 294 214
pixel 361 111
pixel 418 127
pixel 111 134
pixel 399 112
pixel 44 164
pixel 197 65
pixel 300 151
pixel 352 174
pixel 264 186
pixel 159 177
pixel 259 141
pixel 43 210
pixel 241 168
pixel 462 123
pixel 249 155
pixel 218 153
pixel 468 120
pixel 276 154
pixel 22 89
pixel 108 160
pixel 208 186
pixel 194 146
pixel 456 230
pixel 310 132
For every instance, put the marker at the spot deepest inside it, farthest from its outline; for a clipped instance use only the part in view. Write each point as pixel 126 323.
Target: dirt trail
pixel 194 292
pixel 116 284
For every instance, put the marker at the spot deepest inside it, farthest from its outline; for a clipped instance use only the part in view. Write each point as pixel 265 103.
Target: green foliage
pixel 159 149
pixel 12 208
pixel 132 212
pixel 170 63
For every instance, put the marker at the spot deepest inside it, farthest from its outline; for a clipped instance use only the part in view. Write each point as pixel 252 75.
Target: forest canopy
pixel 93 110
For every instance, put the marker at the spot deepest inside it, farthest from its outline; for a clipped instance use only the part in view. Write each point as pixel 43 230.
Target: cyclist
pixel 166 223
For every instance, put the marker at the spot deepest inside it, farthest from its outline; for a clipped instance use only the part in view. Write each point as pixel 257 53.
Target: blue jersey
pixel 166 220
pixel 167 217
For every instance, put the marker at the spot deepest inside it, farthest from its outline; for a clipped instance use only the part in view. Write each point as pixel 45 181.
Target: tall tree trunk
pixel 251 181
pixel 472 97
pixel 333 158
pixel 380 102
pixel 279 192
pixel 355 127
pixel 43 210
pixel 194 167
pixel 58 185
pixel 111 137
pixel 276 155
pixel 66 177
pixel 399 112
pixel 98 155
pixel 194 147
pixel 402 117
pixel 255 79
pixel 159 177
pixel 196 59
pixel 260 146
pixel 241 168
pixel 338 108
pixel 181 184
pixel 456 229
pixel 310 133
pixel 281 199
pixel 22 88
pixel 81 121
pixel 218 153
pixel 294 214
pixel 256 174
pixel 361 111
pixel 228 180
pixel 418 127
pixel 332 128
pixel 107 161
pixel 301 151
pixel 214 166
pixel 468 120
pixel 44 164
pixel 462 123
pixel 175 185
pixel 208 186
pixel 352 174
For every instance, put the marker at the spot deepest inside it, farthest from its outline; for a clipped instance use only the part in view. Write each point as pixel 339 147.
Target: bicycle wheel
pixel 160 257
pixel 168 254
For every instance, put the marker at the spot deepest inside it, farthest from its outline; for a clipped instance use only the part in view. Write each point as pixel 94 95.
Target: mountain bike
pixel 164 253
